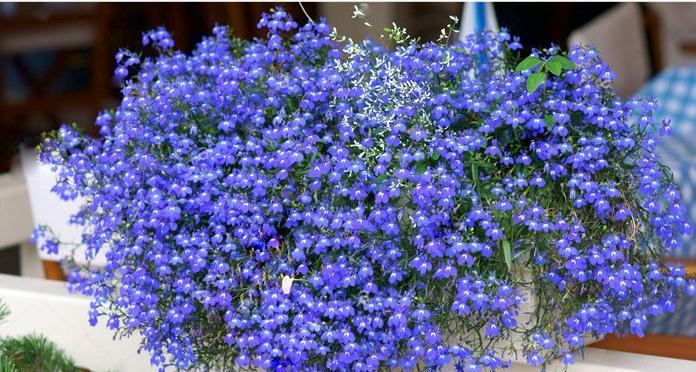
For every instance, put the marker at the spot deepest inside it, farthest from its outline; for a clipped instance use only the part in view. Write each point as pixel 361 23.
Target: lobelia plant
pixel 309 202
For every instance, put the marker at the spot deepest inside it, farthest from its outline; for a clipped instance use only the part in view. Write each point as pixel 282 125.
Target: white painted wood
pixel 598 360
pixel 29 261
pixel 45 307
pixel 15 214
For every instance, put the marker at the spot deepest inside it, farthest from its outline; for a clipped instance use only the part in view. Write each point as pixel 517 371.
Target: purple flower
pixel 311 204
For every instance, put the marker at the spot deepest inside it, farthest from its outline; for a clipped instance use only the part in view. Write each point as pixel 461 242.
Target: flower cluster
pixel 307 202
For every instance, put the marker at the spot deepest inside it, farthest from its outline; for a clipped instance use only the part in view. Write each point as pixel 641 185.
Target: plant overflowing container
pixel 306 202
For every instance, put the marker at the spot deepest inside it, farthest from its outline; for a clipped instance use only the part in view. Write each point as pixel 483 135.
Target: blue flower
pixel 305 202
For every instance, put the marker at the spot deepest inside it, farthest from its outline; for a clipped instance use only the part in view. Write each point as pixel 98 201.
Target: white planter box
pixel 45 307
pixel 47 208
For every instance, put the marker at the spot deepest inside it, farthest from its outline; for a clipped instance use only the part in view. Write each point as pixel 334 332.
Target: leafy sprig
pixel 555 65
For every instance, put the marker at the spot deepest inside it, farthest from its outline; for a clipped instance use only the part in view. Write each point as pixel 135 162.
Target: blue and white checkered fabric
pixel 679 153
pixel 675 91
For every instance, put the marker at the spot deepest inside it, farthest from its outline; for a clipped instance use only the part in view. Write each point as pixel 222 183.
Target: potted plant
pixel 308 202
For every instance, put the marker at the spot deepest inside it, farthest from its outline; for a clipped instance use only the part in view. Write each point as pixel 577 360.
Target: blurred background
pixel 57 59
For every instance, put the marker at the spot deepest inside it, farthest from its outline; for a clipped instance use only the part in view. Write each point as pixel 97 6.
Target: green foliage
pixel 548 119
pixel 421 167
pixel 534 80
pixel 555 65
pixel 381 178
pixel 507 252
pixel 527 64
pixel 32 353
pixel 4 311
pixel 6 365
pixel 566 64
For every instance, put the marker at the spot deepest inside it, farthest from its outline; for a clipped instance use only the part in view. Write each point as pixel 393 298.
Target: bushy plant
pixel 308 202
pixel 31 353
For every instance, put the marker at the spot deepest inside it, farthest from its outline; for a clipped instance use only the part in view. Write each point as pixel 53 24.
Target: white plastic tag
pixel 286 284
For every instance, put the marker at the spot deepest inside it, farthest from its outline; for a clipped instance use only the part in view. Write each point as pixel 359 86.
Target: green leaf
pixel 421 167
pixel 507 252
pixel 474 171
pixel 527 63
pixel 564 61
pixel 436 155
pixel 6 364
pixel 34 353
pixel 554 67
pixel 4 311
pixel 549 121
pixel 534 80
pixel 381 178
pixel 342 201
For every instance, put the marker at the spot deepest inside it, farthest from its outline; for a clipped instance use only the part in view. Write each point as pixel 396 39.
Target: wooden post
pixel 53 271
